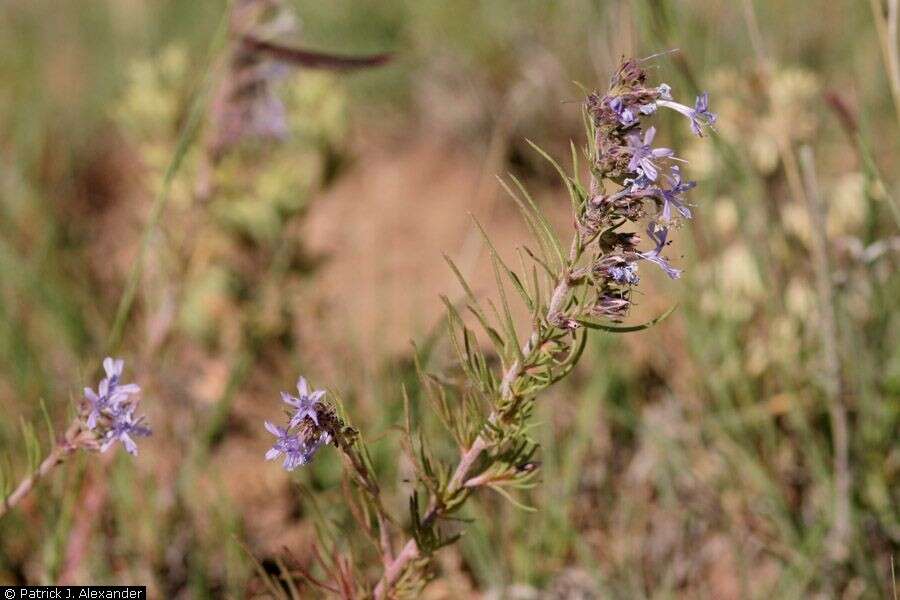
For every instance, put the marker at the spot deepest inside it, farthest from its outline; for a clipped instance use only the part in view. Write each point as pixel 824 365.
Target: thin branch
pixel 57 456
pixel 458 481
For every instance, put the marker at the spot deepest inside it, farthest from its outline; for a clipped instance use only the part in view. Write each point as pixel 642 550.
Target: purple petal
pixel 129 444
pixel 128 389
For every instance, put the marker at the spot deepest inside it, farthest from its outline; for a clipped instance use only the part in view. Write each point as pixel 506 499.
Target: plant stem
pixel 458 481
pixel 410 550
pixel 57 456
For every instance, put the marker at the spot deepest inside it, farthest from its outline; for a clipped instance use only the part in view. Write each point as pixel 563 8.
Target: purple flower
pixel 110 397
pixel 113 402
pixel 699 115
pixel 672 196
pixel 701 110
pixel 626 115
pixel 643 154
pixel 123 427
pixel 624 274
pixel 305 402
pixel 296 451
pixel 638 183
pixel 659 234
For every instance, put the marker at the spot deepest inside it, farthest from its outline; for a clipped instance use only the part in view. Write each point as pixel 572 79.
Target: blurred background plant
pixel 700 458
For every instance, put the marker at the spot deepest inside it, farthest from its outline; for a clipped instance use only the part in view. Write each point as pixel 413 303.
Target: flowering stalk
pixel 590 288
pixel 105 416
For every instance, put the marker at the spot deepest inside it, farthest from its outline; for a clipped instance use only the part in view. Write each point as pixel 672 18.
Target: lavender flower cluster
pixel 623 153
pixel 109 412
pixel 306 430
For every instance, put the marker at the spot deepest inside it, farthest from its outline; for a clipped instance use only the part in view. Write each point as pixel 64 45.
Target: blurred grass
pixel 691 460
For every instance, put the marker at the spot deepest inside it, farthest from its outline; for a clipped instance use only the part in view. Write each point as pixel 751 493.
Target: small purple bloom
pixel 643 154
pixel 702 112
pixel 659 234
pixel 624 274
pixel 638 183
pixel 699 115
pixel 110 397
pixel 304 403
pixel 626 115
pixel 297 452
pixel 673 196
pixel 287 444
pixel 123 427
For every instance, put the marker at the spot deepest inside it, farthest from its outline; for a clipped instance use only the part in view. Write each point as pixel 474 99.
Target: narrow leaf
pixel 542 220
pixel 570 184
pixel 517 283
pixel 531 221
pixel 511 328
pixel 590 324
pixel 50 432
pixel 512 500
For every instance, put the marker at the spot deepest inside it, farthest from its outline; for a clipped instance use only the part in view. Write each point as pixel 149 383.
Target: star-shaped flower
pixel 699 116
pixel 123 427
pixel 672 197
pixel 304 403
pixel 643 154
pixel 659 234
pixel 110 397
pixel 297 452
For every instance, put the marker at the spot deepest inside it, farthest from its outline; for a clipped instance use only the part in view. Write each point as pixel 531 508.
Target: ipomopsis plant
pixel 568 290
